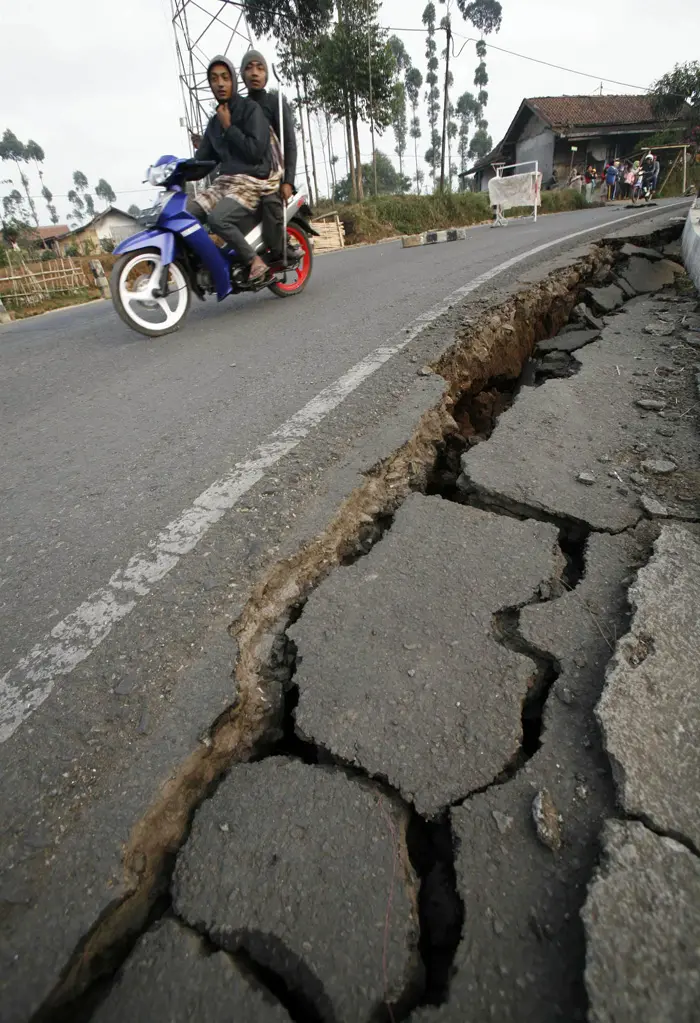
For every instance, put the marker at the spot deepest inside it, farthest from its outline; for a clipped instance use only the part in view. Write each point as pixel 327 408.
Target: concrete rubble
pixel 249 877
pixel 399 669
pixel 173 976
pixel 643 929
pixel 650 710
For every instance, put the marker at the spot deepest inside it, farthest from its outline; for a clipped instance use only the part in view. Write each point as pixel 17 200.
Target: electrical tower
pixel 204 28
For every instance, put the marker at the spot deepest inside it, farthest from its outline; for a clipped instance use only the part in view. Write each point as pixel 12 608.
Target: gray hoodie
pixel 244 148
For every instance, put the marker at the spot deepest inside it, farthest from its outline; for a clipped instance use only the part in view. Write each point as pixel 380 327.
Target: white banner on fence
pixel 516 190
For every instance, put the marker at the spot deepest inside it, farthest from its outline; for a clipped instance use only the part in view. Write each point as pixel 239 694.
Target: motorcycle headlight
pixel 160 174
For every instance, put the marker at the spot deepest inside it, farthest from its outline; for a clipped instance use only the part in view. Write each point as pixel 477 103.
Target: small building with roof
pixel 564 131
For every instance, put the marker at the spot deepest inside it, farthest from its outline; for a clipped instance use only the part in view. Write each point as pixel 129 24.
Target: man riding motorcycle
pixel 238 138
pixel 254 72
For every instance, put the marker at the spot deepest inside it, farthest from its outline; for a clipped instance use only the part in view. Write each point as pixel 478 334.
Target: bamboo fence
pixel 26 284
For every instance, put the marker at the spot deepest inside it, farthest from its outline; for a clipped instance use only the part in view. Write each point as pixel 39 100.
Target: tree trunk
pixel 313 154
pixel 331 154
pixel 415 150
pixel 304 83
pixel 326 160
pixel 358 155
pixel 351 158
pixel 300 108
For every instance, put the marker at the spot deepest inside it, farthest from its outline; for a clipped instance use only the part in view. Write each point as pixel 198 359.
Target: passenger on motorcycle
pixel 254 71
pixel 238 138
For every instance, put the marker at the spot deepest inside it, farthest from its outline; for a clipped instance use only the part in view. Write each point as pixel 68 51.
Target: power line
pixel 525 56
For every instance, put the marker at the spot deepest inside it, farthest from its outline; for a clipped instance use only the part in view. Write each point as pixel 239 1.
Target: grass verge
pixel 385 216
pixel 21 312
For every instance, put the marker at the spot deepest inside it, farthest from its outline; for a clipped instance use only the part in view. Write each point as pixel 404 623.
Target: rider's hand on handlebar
pixel 286 191
pixel 196 139
pixel 224 115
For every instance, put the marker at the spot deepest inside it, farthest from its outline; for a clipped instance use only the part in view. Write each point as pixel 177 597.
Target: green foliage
pixel 288 18
pixel 677 94
pixel 485 15
pixel 401 57
pixel 134 211
pixel 432 156
pixel 480 145
pixel 400 123
pixel 80 181
pixel 389 180
pixel 33 151
pixel 108 244
pixel 104 191
pixel 72 250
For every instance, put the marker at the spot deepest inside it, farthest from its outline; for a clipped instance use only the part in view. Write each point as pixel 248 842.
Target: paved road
pixel 108 436
pixel 109 443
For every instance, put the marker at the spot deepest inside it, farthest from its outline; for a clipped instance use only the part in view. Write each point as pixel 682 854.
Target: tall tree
pixel 134 211
pixel 105 192
pixel 677 95
pixel 486 17
pixel 36 154
pixel 400 124
pixel 294 24
pixel 87 204
pixel 414 83
pixel 12 149
pixel 344 58
pixel 399 120
pixel 433 94
pixel 468 110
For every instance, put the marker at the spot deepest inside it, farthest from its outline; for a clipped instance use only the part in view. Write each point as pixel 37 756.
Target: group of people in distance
pixel 623 179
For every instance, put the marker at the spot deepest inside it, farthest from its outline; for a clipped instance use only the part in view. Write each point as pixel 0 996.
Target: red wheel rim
pixel 300 275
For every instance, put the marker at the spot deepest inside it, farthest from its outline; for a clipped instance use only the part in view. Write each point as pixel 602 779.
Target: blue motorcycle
pixel 161 267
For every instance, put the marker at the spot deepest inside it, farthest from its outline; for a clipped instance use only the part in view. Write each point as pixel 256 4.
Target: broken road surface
pixel 331 743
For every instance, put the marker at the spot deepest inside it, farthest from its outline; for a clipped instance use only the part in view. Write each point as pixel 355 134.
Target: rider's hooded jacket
pixel 244 148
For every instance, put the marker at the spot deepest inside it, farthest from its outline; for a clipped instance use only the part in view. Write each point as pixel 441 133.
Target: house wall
pixel 116 226
pixel 536 142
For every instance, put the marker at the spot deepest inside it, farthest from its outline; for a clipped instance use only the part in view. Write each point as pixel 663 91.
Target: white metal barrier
pixel 519 189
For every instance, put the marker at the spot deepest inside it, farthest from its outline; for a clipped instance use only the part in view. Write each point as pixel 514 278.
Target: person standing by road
pixel 611 180
pixel 254 71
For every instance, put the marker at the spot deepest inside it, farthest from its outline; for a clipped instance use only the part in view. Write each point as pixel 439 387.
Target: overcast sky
pixel 96 85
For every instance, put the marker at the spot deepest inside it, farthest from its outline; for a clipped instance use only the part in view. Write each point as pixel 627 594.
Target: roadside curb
pixel 453 234
pixel 690 244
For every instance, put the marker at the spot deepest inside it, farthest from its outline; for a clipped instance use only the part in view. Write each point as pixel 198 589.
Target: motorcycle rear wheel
pixel 296 279
pixel 151 317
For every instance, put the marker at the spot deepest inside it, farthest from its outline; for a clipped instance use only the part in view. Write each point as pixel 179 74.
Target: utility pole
pixel 448 29
pixel 371 100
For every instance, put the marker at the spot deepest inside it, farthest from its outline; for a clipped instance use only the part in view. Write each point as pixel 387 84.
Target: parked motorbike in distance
pixel 161 267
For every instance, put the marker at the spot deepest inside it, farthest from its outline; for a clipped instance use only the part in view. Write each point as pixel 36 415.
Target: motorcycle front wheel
pixel 131 293
pixel 296 280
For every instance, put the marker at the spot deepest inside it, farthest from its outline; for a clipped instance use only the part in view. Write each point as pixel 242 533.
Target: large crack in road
pixel 441 946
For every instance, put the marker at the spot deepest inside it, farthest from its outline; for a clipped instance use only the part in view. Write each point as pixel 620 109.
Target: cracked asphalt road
pixel 111 436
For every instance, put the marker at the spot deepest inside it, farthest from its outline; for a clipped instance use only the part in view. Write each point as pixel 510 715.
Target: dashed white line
pixel 25 687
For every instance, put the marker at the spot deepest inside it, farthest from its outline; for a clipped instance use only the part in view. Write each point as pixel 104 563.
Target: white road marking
pixel 26 686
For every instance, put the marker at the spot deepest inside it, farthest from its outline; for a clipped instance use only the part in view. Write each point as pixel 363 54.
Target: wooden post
pixel 673 167
pixel 685 168
pixel 100 279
